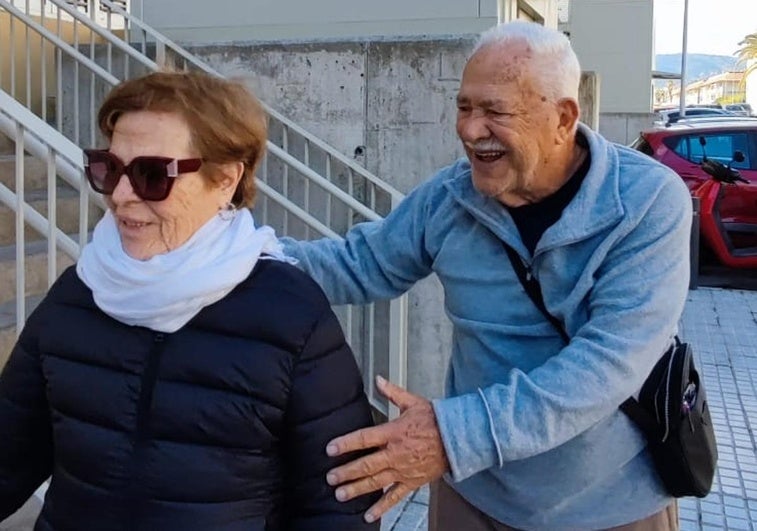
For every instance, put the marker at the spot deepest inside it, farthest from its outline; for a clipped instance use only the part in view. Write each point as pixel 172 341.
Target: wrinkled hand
pixel 409 453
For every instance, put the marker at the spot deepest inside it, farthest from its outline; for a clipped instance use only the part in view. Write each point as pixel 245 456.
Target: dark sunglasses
pixel 151 178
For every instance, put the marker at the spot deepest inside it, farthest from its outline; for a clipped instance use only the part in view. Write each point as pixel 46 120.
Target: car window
pixel 679 144
pixel 718 146
pixel 641 144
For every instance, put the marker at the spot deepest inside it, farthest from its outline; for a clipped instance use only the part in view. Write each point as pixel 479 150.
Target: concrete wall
pixel 623 128
pixel 615 39
pixel 396 101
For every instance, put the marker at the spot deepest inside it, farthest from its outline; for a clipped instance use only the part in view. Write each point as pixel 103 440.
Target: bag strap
pixel 631 406
pixel 533 289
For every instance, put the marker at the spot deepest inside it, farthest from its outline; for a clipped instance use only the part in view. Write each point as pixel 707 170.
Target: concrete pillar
pixel 588 99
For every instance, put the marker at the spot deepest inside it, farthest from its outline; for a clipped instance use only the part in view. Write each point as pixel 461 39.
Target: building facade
pixel 225 21
pixel 616 40
pixel 727 87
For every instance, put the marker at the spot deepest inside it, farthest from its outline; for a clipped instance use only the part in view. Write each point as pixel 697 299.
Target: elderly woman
pixel 183 375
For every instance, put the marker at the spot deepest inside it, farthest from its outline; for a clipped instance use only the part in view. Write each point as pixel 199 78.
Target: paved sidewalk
pixel 722 327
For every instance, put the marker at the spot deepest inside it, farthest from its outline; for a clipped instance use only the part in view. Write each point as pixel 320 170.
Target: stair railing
pixel 307 188
pixel 63 160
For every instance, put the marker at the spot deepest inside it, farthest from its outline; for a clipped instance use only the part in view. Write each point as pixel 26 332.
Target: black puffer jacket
pixel 221 425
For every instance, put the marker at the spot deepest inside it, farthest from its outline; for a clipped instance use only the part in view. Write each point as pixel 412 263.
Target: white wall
pixel 541 11
pixel 615 39
pixel 255 20
pixel 751 88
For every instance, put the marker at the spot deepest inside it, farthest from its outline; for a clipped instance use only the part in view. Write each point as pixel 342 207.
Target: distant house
pixel 724 87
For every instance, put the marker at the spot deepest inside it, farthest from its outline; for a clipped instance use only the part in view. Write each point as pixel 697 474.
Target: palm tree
pixel 747 54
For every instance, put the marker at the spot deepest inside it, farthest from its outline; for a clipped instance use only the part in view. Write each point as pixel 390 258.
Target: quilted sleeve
pixel 26 453
pixel 327 400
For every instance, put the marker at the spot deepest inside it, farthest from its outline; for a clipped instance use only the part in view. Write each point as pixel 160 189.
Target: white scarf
pixel 166 291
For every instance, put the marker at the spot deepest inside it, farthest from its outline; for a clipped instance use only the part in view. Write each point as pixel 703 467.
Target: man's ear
pixel 568 112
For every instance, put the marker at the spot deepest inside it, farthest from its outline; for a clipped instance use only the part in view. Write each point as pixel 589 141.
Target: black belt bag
pixel 671 410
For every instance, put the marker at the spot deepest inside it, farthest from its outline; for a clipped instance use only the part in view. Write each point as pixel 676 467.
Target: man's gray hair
pixel 555 67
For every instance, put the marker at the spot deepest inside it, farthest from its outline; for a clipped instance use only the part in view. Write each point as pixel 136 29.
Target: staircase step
pixel 67 214
pixel 35 270
pixel 8 325
pixel 35 172
pixel 7 145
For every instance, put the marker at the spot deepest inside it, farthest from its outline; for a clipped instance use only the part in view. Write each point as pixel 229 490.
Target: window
pixel 717 146
pixel 79 4
pixel 120 3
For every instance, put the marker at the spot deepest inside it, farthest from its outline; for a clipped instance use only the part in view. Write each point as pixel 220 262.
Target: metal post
pixel 694 243
pixel 682 103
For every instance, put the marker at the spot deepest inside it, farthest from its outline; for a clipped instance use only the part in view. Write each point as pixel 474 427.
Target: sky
pixel 715 26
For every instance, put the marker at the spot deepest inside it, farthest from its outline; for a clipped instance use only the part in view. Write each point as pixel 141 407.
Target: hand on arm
pixel 408 453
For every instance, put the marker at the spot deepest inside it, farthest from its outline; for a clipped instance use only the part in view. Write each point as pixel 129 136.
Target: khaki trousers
pixel 448 511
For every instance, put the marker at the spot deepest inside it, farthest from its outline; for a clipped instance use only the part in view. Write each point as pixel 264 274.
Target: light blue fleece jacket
pixel 531 427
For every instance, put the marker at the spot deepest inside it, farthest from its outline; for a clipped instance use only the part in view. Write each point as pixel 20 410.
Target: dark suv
pixel 678 146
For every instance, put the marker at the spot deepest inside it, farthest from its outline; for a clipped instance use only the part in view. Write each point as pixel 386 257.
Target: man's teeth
pixel 133 224
pixel 489 155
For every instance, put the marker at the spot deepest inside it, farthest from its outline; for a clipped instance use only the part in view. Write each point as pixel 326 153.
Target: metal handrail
pixel 160 39
pixel 99 30
pixel 164 41
pixel 67 244
pixel 65 159
pixel 63 45
pixel 69 161
pixel 106 76
pixel 323 183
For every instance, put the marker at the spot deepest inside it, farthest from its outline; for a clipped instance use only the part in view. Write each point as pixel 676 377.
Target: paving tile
pixel 736 512
pixel 733 501
pixel 712 506
pixel 713 519
pixel 422 495
pixel 737 524
pixel 393 515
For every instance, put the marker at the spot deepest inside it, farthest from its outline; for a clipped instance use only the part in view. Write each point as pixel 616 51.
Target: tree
pixel 747 54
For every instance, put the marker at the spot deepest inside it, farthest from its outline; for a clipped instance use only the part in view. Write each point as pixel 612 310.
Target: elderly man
pixel 529 435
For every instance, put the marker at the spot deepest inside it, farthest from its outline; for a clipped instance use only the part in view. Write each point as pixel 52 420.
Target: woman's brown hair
pixel 226 121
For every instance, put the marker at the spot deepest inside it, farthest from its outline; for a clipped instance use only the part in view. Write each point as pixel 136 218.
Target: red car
pixel 679 146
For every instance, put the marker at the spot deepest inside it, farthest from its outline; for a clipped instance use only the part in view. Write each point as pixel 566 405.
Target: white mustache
pixel 485 145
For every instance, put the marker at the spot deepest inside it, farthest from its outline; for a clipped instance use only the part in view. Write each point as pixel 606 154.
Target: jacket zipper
pixel 147 388
pixel 529 271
